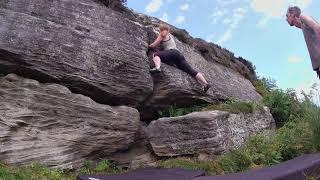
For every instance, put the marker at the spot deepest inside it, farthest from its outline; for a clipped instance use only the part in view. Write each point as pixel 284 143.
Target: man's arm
pixel 311 22
pixel 156 42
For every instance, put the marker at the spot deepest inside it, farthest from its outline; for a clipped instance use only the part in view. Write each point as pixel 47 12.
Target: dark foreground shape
pixel 150 174
pixel 300 168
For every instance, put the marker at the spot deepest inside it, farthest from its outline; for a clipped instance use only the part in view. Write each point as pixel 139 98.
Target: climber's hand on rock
pixel 150 48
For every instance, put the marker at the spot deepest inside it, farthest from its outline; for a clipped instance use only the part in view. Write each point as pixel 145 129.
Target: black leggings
pixel 173 56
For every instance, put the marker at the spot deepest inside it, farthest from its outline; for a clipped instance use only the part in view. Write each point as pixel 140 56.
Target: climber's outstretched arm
pixel 156 42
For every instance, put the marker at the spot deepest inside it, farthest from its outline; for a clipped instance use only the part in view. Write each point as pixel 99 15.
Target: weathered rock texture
pixel 101 53
pixel 138 154
pixel 81 44
pixel 46 123
pixel 98 49
pixel 243 126
pixel 210 132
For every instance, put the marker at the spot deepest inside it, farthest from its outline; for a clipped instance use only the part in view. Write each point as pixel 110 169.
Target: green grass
pixel 32 172
pixel 103 167
pixel 38 172
pixel 231 105
pixel 174 111
pixel 235 107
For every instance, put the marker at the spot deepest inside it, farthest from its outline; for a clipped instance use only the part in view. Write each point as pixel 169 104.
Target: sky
pixel 253 29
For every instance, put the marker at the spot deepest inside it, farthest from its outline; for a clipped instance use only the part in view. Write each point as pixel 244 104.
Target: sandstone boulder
pixel 46 123
pixel 205 133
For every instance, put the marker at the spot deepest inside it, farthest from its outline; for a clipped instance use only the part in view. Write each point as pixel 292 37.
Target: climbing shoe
pixel 206 88
pixel 155 70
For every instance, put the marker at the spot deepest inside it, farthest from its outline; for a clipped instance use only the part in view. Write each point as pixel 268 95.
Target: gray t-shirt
pixel 169 44
pixel 313 43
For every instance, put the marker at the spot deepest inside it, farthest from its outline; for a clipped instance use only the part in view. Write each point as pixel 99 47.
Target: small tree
pixel 265 85
pixel 269 83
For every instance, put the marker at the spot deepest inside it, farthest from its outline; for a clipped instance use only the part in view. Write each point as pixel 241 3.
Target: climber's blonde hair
pixel 164 27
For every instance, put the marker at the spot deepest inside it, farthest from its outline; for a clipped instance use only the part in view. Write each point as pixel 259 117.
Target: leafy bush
pixel 299 135
pixel 312 116
pixel 284 106
pixel 294 139
pixel 290 141
pixel 263 151
pixel 264 85
pixel 260 87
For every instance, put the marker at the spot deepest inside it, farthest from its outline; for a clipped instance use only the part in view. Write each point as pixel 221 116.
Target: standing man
pixel 311 31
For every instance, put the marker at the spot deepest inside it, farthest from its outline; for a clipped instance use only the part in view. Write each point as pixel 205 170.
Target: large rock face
pixel 81 44
pixel 101 53
pixel 205 133
pixel 47 123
